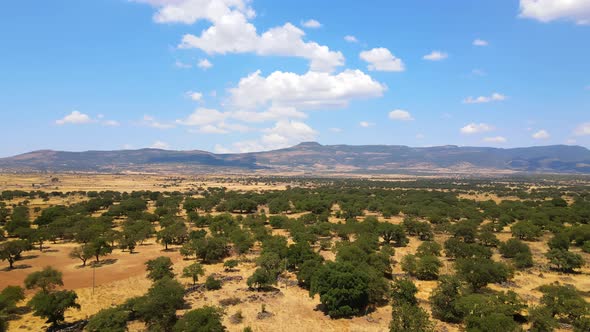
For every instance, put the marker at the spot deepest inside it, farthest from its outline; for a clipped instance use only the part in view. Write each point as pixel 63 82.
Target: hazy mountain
pixel 313 157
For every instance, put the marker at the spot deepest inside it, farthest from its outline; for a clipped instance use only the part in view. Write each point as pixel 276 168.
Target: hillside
pixel 314 157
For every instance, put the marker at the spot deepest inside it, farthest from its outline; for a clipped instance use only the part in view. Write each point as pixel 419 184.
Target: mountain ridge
pixel 315 157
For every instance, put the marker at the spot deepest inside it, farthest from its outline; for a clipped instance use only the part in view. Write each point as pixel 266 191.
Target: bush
pixel 429 248
pixel 212 284
pixel 205 319
pixel 108 320
pixel 444 298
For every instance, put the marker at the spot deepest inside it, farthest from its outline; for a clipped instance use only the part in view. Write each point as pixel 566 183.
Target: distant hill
pixel 313 157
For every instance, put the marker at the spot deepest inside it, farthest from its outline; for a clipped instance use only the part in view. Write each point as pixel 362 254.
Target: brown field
pixel 122 275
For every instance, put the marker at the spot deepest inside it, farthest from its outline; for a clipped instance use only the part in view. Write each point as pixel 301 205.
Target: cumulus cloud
pixel 583 129
pixel 204 64
pixel 541 134
pixel 272 114
pixel 381 59
pixel 74 118
pixel 351 39
pixel 191 11
pixel 435 56
pixel 160 145
pixel 480 42
pixel 484 99
pixel 312 90
pixel 366 124
pixel 400 115
pixel 284 133
pixel 495 139
pixel 312 24
pixel 150 121
pixel 551 10
pixel 476 128
pixel 196 96
pixel 203 116
pixel 232 32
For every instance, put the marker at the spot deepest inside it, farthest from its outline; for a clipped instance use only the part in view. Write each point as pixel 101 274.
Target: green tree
pixel 526 230
pixel 52 305
pixel 564 302
pixel 479 272
pixel 11 251
pixel 541 320
pixel 193 271
pixel 409 318
pixel 343 289
pixel 444 298
pixel 98 248
pixel 83 253
pixel 108 320
pixel 159 268
pixel 563 260
pixel 205 319
pixel 9 297
pixel 393 233
pixel 158 307
pixel 404 291
pixel 174 233
pixel 46 279
pixel 429 248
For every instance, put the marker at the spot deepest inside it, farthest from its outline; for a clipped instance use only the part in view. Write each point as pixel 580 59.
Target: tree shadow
pixel 29 257
pixel 104 262
pixel 50 250
pixel 16 267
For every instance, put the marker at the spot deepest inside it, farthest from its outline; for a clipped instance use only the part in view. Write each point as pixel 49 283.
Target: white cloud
pixel 203 116
pixel 351 39
pixel 312 90
pixel 111 123
pixel 283 134
pixel 381 59
pixel 182 65
pixel 150 121
pixel 435 56
pixel 196 96
pixel 400 115
pixel 420 136
pixel 191 11
pixel 541 134
pixel 495 139
pixel 366 124
pixel 160 145
pixel 476 128
pixel 551 10
pixel 335 130
pixel 583 129
pixel 484 99
pixel 74 118
pixel 480 42
pixel 571 141
pixel 272 114
pixel 231 32
pixel 204 64
pixel 312 24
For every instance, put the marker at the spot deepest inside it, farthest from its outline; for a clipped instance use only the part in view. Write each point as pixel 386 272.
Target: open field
pixel 121 275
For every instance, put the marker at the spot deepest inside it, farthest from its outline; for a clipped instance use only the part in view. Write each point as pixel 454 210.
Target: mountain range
pixel 312 157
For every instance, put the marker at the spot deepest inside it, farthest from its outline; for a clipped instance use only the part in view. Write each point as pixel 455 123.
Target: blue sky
pixel 238 75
